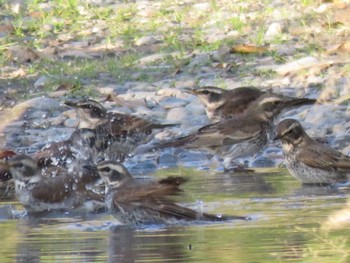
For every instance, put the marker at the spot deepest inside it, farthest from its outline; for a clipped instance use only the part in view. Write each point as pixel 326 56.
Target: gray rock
pixel 172 102
pixel 273 31
pixel 146 40
pixel 39 103
pixel 41 82
pixel 263 162
pixel 200 60
pixel 177 115
pixel 71 123
pixel 167 160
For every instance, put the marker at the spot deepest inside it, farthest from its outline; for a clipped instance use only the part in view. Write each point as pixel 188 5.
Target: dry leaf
pixel 343 47
pixel 14 74
pixel 246 49
pixel 7 28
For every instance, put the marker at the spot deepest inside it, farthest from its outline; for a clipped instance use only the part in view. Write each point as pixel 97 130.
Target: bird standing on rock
pixel 308 160
pixel 135 203
pixel 222 104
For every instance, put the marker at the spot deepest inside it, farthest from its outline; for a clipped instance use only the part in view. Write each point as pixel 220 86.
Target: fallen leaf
pixel 7 28
pixel 247 49
pixel 343 47
pixel 14 74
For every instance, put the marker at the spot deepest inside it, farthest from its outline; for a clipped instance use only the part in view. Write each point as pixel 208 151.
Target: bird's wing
pixel 53 190
pixel 155 197
pixel 324 158
pixel 239 100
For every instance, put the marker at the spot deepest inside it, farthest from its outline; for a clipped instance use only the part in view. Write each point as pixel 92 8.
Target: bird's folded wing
pixel 55 190
pixel 325 159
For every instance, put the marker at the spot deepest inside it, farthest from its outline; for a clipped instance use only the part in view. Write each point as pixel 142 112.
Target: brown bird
pixel 123 132
pixel 309 161
pixel 57 190
pixel 238 137
pixel 82 146
pixel 223 104
pixel 5 174
pixel 135 203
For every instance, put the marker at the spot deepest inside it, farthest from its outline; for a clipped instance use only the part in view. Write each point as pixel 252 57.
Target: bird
pixel 234 138
pixel 5 174
pixel 58 189
pixel 82 146
pixel 223 103
pixel 309 161
pixel 123 132
pixel 138 203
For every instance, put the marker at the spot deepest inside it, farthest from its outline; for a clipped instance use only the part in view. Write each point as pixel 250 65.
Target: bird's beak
pixel 191 91
pixel 71 103
pixel 91 168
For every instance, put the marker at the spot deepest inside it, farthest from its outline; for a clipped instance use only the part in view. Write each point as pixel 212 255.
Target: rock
pixel 167 160
pixel 170 92
pixel 172 102
pixel 71 123
pixel 263 162
pixel 176 115
pixel 196 108
pixel 39 103
pixel 273 31
pixel 200 60
pixel 142 167
pixel 146 40
pixel 41 82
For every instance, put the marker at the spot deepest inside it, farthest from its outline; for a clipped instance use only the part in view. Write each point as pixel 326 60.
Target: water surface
pixel 289 222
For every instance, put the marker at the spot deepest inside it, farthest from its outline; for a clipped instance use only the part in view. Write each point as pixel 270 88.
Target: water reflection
pixel 286 226
pixel 162 245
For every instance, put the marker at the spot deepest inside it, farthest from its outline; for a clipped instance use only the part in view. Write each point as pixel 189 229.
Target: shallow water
pixel 289 222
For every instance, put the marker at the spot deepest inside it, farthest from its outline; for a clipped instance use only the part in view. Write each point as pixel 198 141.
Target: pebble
pixel 167 160
pixel 176 114
pixel 274 30
pixel 146 40
pixel 41 82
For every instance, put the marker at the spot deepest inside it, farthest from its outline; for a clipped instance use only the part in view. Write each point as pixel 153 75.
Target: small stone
pixel 41 82
pixel 263 162
pixel 39 103
pixel 200 60
pixel 71 123
pixel 176 115
pixel 172 102
pixel 146 40
pixel 167 160
pixel 273 31
pixel 170 92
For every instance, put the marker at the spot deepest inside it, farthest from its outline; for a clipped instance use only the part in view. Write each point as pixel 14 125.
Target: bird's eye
pixel 106 169
pixel 205 92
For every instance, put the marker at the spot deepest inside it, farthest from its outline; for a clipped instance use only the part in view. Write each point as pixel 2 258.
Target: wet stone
pixel 167 160
pixel 71 123
pixel 142 167
pixel 193 158
pixel 263 162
